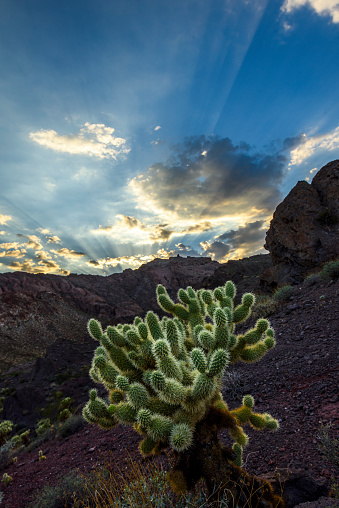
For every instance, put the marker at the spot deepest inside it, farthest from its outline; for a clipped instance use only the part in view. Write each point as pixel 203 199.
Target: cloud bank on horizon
pixel 183 143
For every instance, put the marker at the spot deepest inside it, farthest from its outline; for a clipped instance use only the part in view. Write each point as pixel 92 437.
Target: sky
pixel 135 130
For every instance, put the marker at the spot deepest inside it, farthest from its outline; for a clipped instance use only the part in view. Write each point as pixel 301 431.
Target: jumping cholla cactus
pixel 164 378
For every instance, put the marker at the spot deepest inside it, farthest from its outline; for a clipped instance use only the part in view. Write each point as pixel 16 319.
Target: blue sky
pixel 134 130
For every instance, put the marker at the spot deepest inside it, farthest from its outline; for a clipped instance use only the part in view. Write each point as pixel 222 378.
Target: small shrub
pixel 329 447
pixel 60 495
pixel 139 485
pixel 41 456
pixel 312 279
pixel 330 271
pixel 72 425
pixel 43 426
pixel 6 479
pixel 264 306
pixel 284 293
pixel 5 429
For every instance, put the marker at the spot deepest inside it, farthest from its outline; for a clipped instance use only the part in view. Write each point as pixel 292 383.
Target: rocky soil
pixel 296 382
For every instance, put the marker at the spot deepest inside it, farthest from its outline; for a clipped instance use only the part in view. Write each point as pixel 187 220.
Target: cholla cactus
pixel 5 429
pixel 6 479
pixel 41 456
pixel 164 378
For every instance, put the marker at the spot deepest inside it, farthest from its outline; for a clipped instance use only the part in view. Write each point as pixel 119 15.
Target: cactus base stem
pixel 209 459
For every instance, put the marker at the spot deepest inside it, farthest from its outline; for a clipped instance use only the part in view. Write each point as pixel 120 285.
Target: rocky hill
pixel 304 231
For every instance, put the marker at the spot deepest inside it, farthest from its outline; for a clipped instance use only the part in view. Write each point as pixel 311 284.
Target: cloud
pixel 134 261
pixel 226 181
pixel 33 242
pixel 237 243
pixel 94 140
pixel 42 255
pixel 246 235
pixel 322 7
pixel 28 265
pixel 85 175
pixel 201 227
pixel 216 250
pixel 53 239
pixel 142 232
pixel 9 245
pixel 4 219
pixel 318 143
pixel 68 253
pixel 16 253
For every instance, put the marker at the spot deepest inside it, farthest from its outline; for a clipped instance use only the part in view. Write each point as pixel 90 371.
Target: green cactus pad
pixel 203 387
pixel 122 383
pixel 95 329
pixel 154 326
pixel 183 296
pixel 147 445
pixel 218 362
pixel 199 359
pixel 206 340
pixel 126 413
pixel 220 318
pixel 181 437
pixel 230 290
pixel 144 417
pixel 137 395
pixel 248 401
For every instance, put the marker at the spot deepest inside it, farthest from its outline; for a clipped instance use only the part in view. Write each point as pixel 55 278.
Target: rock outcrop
pixel 304 231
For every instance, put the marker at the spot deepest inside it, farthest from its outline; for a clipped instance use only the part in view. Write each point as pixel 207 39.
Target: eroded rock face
pixel 304 231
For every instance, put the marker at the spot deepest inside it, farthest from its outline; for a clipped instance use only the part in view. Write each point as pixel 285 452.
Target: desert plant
pixel 41 456
pixel 138 485
pixel 283 293
pixel 6 479
pixel 73 424
pixel 313 278
pixel 5 429
pixel 60 495
pixel 43 426
pixel 164 378
pixel 330 270
pixel 329 447
pixel 264 306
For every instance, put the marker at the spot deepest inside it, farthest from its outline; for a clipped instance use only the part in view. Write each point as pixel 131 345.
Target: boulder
pixel 304 231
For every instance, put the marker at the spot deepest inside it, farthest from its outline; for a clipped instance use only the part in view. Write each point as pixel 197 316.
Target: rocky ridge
pixel 304 231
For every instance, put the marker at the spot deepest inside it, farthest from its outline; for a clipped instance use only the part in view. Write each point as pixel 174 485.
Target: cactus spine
pixel 164 375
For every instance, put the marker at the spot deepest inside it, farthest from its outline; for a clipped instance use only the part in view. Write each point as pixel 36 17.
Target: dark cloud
pixel 198 228
pixel 216 250
pixel 250 234
pixel 291 143
pixel 93 262
pixel 211 177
